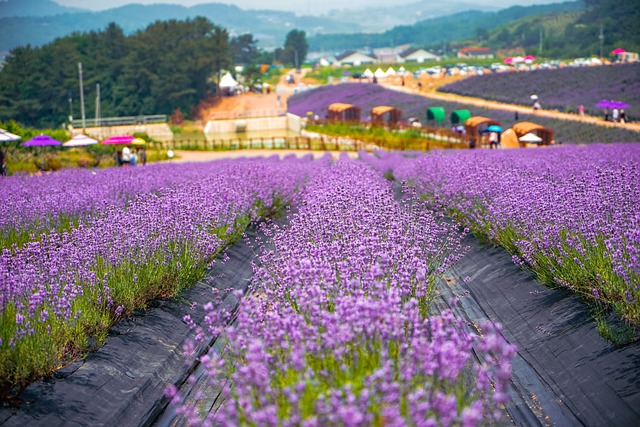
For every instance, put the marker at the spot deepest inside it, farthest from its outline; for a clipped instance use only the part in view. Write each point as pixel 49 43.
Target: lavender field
pixel 341 324
pixel 571 214
pixel 561 89
pixel 368 95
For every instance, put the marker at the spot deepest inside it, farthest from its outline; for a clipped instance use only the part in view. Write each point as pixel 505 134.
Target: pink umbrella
pixel 529 58
pixel 508 60
pixel 118 140
pixel 618 51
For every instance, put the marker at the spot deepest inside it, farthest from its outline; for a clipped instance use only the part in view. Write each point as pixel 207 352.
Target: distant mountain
pixel 378 19
pixel 437 31
pixel 33 8
pixel 33 22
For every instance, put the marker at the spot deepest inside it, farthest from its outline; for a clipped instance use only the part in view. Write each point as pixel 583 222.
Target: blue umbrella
pixel 494 128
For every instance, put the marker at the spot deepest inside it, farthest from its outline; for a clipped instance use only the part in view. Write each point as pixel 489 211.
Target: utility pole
pixel 601 37
pixel 540 40
pixel 70 109
pixel 84 122
pixel 296 57
pixel 97 104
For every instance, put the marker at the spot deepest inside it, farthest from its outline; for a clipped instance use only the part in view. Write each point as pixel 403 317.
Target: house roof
pixel 466 50
pixel 413 50
pixel 349 53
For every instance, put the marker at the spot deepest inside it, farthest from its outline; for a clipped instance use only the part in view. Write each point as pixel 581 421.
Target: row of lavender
pixel 339 329
pixel 35 204
pixel 368 96
pixel 65 287
pixel 563 89
pixel 572 214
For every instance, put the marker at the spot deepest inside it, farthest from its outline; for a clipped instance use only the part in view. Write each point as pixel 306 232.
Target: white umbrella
pixel 368 73
pixel 391 72
pixel 228 81
pixel 379 73
pixel 8 136
pixel 80 140
pixel 530 137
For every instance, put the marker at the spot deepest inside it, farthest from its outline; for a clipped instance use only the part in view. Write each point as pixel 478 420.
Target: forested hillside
pixel 168 65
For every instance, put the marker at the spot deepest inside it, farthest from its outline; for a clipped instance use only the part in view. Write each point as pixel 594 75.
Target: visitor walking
pixel 493 140
pixel 3 163
pixel 581 110
pixel 615 114
pixel 126 156
pixel 623 116
pixel 606 114
pixel 143 156
pixel 133 160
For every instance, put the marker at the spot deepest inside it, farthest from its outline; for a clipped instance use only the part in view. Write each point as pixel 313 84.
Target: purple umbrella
pixel 41 141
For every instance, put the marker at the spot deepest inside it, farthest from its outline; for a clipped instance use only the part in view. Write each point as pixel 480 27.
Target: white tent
pixel 368 73
pixel 228 81
pixel 391 72
pixel 379 73
pixel 79 140
pixel 402 71
pixel 8 136
pixel 530 137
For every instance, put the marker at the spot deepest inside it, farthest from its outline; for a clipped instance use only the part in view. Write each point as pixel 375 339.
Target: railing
pixel 249 114
pixel 123 121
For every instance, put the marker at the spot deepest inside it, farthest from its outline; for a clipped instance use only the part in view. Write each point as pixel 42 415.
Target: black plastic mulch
pixel 122 383
pixel 564 373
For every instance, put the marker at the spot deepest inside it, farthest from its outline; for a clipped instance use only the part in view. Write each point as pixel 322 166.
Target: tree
pixel 295 48
pixel 243 49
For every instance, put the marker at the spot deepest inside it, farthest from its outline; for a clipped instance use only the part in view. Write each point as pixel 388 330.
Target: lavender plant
pixel 569 213
pixel 60 291
pixel 339 328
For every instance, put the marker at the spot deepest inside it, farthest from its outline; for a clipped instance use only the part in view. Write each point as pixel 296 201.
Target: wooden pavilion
pixel 392 115
pixel 473 127
pixel 523 128
pixel 343 112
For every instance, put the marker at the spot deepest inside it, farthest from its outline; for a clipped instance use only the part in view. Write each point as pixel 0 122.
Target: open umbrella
pixel 617 104
pixel 530 137
pixel 494 128
pixel 80 140
pixel 603 104
pixel 138 141
pixel 8 136
pixel 118 140
pixel 508 60
pixel 618 51
pixel 41 141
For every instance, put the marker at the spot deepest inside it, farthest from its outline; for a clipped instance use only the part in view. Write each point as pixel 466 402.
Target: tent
pixel 523 128
pixel 391 72
pixel 227 81
pixel 378 115
pixel 436 113
pixel 368 73
pixel 343 112
pixel 379 73
pixel 460 116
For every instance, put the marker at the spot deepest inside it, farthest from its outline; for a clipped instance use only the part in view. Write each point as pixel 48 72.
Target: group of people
pixel 615 115
pixel 128 157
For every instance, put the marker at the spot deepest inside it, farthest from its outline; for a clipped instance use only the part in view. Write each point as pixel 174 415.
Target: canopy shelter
pixel 384 114
pixel 459 116
pixel 436 113
pixel 523 128
pixel 343 112
pixel 8 136
pixel 227 81
pixel 475 126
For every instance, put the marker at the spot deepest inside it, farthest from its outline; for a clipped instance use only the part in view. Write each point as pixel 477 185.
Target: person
pixel 493 139
pixel 126 156
pixel 606 114
pixel 3 163
pixel 133 160
pixel 118 157
pixel 143 156
pixel 581 110
pixel 623 116
pixel 516 116
pixel 536 106
pixel 472 142
pixel 615 115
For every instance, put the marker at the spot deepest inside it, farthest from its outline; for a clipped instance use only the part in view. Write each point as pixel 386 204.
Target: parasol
pixel 118 140
pixel 80 140
pixel 530 137
pixel 41 141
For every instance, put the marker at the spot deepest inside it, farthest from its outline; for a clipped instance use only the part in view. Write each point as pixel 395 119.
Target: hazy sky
pixel 297 6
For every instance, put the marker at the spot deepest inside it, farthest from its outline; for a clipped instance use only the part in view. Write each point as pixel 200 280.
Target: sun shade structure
pixel 80 140
pixel 41 141
pixel 460 116
pixel 118 140
pixel 138 141
pixel 436 113
pixel 343 112
pixel 8 136
pixel 475 124
pixel 523 128
pixel 384 114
